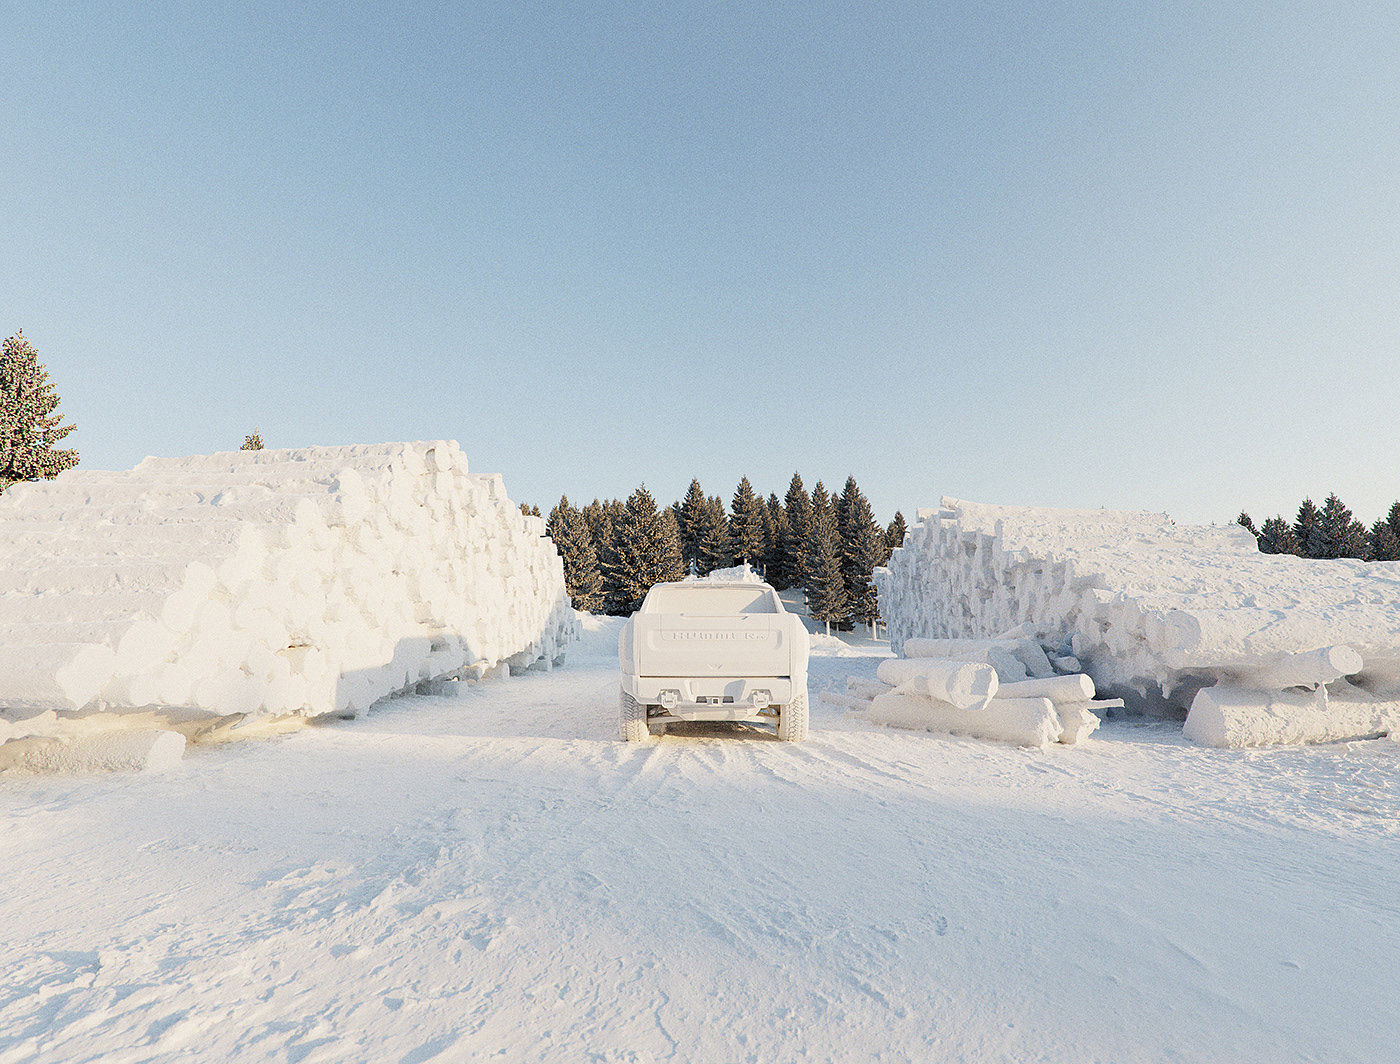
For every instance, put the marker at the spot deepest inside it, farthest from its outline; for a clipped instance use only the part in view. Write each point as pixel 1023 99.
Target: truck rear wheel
pixel 633 716
pixel 792 719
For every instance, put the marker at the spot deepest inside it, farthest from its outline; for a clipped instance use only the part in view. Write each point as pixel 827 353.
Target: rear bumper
pixel 711 698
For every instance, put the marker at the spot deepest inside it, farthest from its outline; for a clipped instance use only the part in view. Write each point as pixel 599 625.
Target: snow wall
pixel 270 582
pixel 1254 648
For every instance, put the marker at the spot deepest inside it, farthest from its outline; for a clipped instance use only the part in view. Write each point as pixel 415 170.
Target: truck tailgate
pixel 681 645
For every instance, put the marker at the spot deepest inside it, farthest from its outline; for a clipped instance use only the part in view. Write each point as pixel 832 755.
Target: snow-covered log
pixel 269 582
pixel 963 684
pixel 1077 688
pixel 1024 721
pixel 1153 611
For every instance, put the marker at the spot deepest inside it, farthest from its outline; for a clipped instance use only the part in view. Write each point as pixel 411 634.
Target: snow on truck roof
pixel 712 598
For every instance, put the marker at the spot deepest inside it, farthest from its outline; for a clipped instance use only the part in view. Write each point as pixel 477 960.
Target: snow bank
pixel 1154 612
pixel 270 582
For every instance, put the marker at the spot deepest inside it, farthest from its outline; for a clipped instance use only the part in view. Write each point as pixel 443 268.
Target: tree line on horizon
pixel 1328 532
pixel 826 544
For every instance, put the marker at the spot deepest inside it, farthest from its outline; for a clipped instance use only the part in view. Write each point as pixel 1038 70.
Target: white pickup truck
pixel 707 650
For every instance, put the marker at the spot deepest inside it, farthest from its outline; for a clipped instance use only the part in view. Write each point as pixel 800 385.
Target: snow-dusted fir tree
pixel 648 550
pixel 746 525
pixel 774 529
pixel 894 535
pixel 825 587
pixel 1276 536
pixel 862 548
pixel 1304 527
pixel 582 578
pixel 253 441
pixel 1337 534
pixel 1247 523
pixel 716 548
pixel 690 513
pixel 30 424
pixel 1385 536
pixel 797 508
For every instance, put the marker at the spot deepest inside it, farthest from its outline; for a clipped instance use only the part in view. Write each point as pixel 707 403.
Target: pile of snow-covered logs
pixel 1253 649
pixel 270 582
pixel 1004 689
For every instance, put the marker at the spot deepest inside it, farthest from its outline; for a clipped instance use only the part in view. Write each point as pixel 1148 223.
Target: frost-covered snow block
pixel 1153 611
pixel 270 582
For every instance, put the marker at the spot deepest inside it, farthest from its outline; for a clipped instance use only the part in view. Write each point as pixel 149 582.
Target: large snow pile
pixel 273 582
pixel 1168 617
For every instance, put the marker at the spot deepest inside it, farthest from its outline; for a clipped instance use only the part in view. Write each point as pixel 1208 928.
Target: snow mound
pixel 270 582
pixel 1156 612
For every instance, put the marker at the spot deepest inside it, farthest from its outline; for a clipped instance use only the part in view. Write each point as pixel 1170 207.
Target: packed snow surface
pixel 269 582
pixel 495 876
pixel 1156 611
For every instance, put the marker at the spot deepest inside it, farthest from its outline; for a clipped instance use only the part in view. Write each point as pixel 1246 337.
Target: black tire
pixel 792 719
pixel 633 719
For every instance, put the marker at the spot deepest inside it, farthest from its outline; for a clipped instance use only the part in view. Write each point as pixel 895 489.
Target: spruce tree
pixel 775 529
pixel 569 531
pixel 252 442
pixel 825 588
pixel 797 508
pixel 1337 534
pixel 894 535
pixel 746 525
pixel 716 550
pixel 1305 528
pixel 29 422
pixel 1276 536
pixel 648 550
pixel 1385 536
pixel 1247 523
pixel 862 545
pixel 689 517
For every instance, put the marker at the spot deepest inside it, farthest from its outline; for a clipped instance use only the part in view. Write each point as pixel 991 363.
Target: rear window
pixel 710 601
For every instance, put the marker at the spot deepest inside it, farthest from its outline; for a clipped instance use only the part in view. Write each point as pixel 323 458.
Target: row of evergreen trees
pixel 828 545
pixel 1331 532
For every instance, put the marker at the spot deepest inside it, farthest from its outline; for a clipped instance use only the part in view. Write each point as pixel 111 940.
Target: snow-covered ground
pixel 495 876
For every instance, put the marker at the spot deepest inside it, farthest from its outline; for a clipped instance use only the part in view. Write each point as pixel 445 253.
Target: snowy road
pixel 495 877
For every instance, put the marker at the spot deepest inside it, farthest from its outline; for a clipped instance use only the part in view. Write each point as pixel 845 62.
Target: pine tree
pixel 29 422
pixel 1385 536
pixel 1304 528
pixel 529 511
pixel 1247 523
pixel 862 545
pixel 582 579
pixel 716 550
pixel 689 514
pixel 894 535
pixel 253 442
pixel 825 588
pixel 746 525
pixel 797 508
pixel 648 550
pixel 1337 534
pixel 1276 536
pixel 774 529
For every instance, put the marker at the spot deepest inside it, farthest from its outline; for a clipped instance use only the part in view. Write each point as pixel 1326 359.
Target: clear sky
pixel 1135 255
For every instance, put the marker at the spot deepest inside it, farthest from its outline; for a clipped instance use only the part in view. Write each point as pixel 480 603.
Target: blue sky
pixel 1071 254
